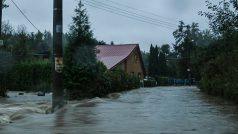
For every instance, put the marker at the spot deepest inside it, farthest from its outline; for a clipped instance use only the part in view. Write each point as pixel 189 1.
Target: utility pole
pixel 58 90
pixel 1 3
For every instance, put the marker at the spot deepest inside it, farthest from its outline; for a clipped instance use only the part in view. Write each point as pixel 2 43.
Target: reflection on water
pixel 165 110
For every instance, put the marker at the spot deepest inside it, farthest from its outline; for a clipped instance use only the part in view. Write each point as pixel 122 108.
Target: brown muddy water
pixel 160 110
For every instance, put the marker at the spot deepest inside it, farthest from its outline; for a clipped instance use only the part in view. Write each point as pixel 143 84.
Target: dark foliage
pixel 153 61
pixel 31 76
pixel 18 65
pixel 84 77
pixel 220 75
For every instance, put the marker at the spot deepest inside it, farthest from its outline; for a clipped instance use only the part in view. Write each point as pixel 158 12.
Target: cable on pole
pixel 25 16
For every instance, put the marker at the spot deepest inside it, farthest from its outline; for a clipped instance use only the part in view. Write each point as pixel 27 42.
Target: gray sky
pixel 111 27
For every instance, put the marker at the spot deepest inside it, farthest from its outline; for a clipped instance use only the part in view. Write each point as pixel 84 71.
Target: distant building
pixel 126 57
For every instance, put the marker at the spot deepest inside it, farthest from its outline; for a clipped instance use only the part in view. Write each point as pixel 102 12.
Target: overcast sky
pixel 108 26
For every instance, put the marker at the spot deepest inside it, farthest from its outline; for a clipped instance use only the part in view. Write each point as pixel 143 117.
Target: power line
pixel 171 22
pixel 113 12
pixel 128 14
pixel 134 13
pixel 25 15
pixel 146 12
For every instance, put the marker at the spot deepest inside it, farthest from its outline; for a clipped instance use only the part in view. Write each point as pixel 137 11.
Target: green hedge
pixel 33 75
pixel 121 81
pixel 162 81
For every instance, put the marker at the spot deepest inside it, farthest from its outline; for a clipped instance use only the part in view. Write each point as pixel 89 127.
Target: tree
pixel 156 60
pixel 7 28
pixel 37 42
pixel 80 30
pixel 162 65
pixel 165 49
pixel 7 33
pixel 172 64
pixel 101 42
pixel 80 72
pixel 80 39
pixel 20 49
pixel 48 39
pixel 112 43
pixel 223 17
pixel 153 61
pixel 151 64
pixel 219 74
pixel 145 58
pixel 186 37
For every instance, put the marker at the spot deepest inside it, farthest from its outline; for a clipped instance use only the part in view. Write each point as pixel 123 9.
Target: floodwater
pixel 160 110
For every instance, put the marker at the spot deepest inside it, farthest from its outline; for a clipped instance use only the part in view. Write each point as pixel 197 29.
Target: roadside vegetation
pixel 26 62
pixel 208 56
pixel 220 74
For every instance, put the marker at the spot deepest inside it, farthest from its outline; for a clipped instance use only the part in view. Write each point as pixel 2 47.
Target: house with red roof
pixel 126 57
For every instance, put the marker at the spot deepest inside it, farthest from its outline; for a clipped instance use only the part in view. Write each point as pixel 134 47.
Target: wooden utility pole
pixel 58 90
pixel 1 3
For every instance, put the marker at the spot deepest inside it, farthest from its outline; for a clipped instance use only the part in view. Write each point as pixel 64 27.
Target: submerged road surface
pixel 160 110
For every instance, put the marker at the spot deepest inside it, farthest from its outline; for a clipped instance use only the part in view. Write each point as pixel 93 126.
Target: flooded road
pixel 160 110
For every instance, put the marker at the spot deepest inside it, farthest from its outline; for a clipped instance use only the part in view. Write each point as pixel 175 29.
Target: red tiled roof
pixel 111 55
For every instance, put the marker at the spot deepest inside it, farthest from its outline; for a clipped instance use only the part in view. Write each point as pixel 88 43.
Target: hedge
pixel 33 75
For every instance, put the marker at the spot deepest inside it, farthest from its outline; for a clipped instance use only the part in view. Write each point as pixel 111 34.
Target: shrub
pixel 80 81
pixel 162 81
pixel 150 82
pixel 33 75
pixel 96 81
pixel 6 64
pixel 121 81
pixel 220 76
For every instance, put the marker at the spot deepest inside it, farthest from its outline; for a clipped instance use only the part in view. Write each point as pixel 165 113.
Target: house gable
pixel 126 57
